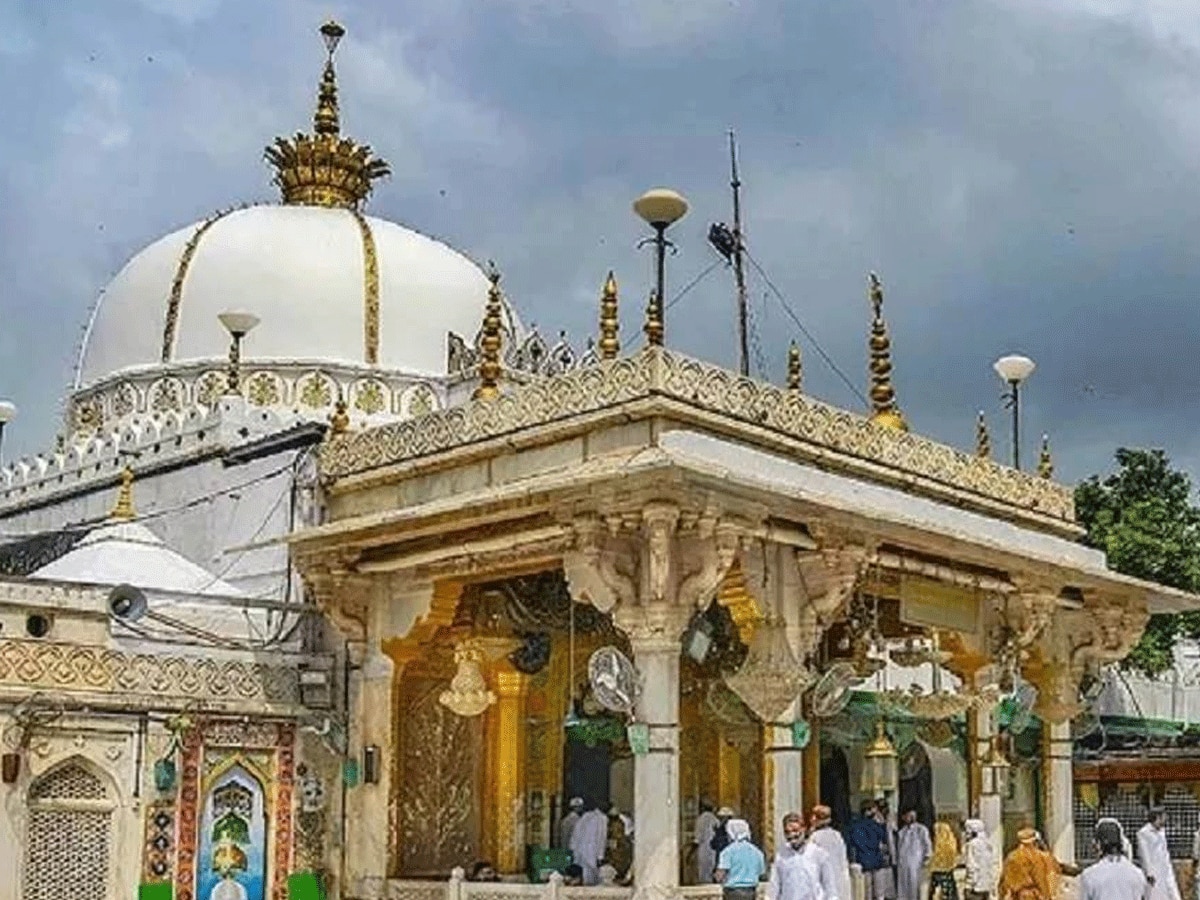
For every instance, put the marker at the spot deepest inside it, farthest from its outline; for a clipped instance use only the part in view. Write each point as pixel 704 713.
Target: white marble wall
pixel 1174 696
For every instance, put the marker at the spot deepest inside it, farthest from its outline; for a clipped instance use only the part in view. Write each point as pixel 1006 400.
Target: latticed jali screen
pixel 1128 804
pixel 68 838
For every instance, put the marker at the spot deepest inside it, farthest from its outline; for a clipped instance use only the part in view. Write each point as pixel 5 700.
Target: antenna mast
pixel 739 271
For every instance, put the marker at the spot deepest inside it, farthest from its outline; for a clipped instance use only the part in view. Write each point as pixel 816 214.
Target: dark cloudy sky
pixel 1023 174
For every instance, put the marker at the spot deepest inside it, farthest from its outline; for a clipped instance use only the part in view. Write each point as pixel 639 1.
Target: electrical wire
pixel 804 331
pixel 626 335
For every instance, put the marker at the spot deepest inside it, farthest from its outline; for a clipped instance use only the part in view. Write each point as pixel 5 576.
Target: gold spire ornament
pixel 1045 468
pixel 490 341
pixel 795 369
pixel 983 441
pixel 123 510
pixel 884 410
pixel 339 419
pixel 653 327
pixel 610 326
pixel 324 168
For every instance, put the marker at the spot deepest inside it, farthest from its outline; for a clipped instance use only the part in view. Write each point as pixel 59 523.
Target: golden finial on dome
pixel 884 411
pixel 610 341
pixel 324 168
pixel 983 440
pixel 123 510
pixel 490 341
pixel 653 326
pixel 795 368
pixel 1045 468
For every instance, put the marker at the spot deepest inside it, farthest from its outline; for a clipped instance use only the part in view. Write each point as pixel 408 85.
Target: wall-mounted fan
pixel 832 693
pixel 614 680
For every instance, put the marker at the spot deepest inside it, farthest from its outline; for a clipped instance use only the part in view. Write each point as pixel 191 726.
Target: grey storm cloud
pixel 1022 175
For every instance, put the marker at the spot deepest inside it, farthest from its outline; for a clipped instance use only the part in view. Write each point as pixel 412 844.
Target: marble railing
pixel 457 888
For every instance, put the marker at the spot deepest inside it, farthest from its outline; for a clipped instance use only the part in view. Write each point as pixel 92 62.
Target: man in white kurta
pixel 802 870
pixel 706 856
pixel 567 825
pixel 979 859
pixel 1155 858
pixel 1113 877
pixel 589 840
pixel 822 834
pixel 913 849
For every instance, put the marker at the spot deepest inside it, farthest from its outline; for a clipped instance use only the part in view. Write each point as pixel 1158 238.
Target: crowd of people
pixel 898 863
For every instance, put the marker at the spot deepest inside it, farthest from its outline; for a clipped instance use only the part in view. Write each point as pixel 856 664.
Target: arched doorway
pixel 835 784
pixel 69 800
pixel 916 784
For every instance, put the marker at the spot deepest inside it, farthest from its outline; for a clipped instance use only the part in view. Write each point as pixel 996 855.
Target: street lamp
pixel 1014 369
pixel 8 412
pixel 660 208
pixel 238 324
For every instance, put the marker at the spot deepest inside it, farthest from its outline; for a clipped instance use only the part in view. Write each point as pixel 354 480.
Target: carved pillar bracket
pixel 341 594
pixel 1079 641
pixel 660 556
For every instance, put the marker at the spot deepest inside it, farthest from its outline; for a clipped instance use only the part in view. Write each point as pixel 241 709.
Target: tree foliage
pixel 1142 516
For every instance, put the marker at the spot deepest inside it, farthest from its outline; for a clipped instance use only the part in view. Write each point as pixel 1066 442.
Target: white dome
pixel 302 271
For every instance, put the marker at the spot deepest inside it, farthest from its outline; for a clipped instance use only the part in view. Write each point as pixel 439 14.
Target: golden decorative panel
pixel 836 436
pixel 438 790
pixel 370 291
pixel 171 325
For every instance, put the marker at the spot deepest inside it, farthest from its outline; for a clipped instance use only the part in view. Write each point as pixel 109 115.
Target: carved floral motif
pixel 656 373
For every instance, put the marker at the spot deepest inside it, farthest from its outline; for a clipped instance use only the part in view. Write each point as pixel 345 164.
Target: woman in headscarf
pixel 943 862
pixel 741 865
pixel 1028 874
pixel 1126 844
pixel 980 862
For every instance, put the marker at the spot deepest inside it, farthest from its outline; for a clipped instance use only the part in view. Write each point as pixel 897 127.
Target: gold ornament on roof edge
pixel 1045 468
pixel 795 368
pixel 983 441
pixel 610 340
pixel 884 412
pixel 324 168
pixel 491 340
pixel 123 510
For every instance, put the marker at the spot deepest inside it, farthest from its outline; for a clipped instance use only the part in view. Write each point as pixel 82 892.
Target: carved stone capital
pixel 1079 641
pixel 660 556
pixel 653 628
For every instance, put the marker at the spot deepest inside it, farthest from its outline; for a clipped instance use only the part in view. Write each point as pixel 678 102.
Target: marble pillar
pixel 783 787
pixel 1059 805
pixel 990 803
pixel 367 805
pixel 656 773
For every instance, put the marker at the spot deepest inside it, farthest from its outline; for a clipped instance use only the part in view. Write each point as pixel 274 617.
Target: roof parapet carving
pixel 655 372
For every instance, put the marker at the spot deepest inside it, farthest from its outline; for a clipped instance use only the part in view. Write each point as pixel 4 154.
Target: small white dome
pixel 302 270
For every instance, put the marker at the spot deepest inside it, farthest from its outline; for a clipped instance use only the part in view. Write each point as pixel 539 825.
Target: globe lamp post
pixel 238 324
pixel 660 208
pixel 1013 370
pixel 8 412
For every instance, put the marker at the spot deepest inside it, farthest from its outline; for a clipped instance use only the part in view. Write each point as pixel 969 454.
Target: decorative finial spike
pixel 884 410
pixel 123 510
pixel 339 419
pixel 983 440
pixel 795 370
pixel 490 340
pixel 324 168
pixel 610 341
pixel 1045 468
pixel 653 327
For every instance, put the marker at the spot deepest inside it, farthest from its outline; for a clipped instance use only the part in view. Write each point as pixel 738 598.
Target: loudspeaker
pixel 127 602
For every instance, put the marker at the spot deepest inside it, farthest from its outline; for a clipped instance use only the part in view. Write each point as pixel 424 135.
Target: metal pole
pixel 1016 410
pixel 1 443
pixel 739 272
pixel 660 275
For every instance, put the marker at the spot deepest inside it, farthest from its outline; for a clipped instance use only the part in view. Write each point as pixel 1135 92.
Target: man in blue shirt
pixel 869 848
pixel 741 865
